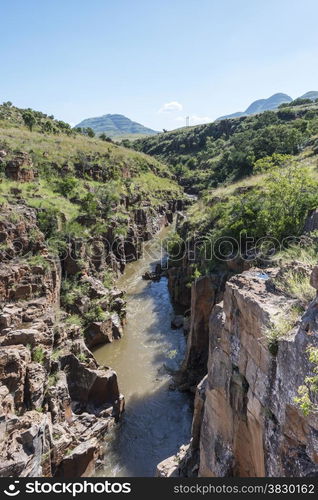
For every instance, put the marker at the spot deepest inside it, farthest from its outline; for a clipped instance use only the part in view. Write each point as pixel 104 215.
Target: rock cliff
pixel 56 402
pixel 246 421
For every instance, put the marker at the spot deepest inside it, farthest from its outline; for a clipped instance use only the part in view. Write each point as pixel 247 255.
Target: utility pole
pixel 187 121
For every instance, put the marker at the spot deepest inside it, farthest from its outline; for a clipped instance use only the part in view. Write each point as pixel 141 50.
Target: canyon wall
pixel 56 402
pixel 246 422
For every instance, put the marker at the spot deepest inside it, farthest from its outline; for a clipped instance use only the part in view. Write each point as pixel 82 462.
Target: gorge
pixel 97 374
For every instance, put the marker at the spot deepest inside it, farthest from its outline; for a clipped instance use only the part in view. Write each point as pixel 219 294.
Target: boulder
pixel 80 461
pixel 103 332
pixel 91 390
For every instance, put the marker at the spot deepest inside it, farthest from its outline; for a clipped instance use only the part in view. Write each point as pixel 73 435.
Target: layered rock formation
pixel 246 421
pixel 56 402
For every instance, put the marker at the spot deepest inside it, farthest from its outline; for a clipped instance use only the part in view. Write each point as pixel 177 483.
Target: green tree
pixel 29 119
pixel 47 127
pixel 89 203
pixel 90 132
pixel 66 186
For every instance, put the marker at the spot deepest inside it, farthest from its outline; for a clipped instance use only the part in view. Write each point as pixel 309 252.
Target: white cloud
pixel 168 107
pixel 194 119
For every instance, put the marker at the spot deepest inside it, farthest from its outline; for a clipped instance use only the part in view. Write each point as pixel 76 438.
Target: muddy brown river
pixel 157 420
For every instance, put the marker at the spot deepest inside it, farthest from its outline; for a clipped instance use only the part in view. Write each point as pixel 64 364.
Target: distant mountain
pixel 115 125
pixel 261 105
pixel 310 95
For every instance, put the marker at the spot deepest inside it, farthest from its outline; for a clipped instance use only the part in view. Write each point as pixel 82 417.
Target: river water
pixel 157 420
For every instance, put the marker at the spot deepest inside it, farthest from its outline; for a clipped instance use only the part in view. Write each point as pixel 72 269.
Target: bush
pixel 95 313
pixel 66 186
pixel 38 355
pixel 282 326
pixel 296 284
pixel 74 319
pixel 306 399
pixel 82 358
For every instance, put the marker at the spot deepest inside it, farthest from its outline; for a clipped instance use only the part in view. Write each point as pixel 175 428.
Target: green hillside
pixel 74 175
pixel 225 151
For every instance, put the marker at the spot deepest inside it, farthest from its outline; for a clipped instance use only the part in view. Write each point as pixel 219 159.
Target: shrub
pixel 108 278
pixel 56 354
pixel 52 379
pixel 306 399
pixel 39 260
pixel 82 358
pixel 296 284
pixel 38 355
pixel 66 186
pixel 281 327
pixel 29 119
pixel 74 319
pixel 95 313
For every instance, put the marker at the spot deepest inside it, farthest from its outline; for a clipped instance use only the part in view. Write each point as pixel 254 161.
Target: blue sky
pixel 77 59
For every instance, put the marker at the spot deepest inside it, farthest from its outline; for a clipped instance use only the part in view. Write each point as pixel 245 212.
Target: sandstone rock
pixel 26 336
pixel 90 390
pixel 20 168
pixel 36 379
pixel 79 348
pixel 177 465
pixel 103 332
pixel 206 291
pixel 22 292
pixel 251 425
pixel 178 278
pixel 80 462
pixel 26 450
pixel 13 366
pixel 98 333
pixel 17 223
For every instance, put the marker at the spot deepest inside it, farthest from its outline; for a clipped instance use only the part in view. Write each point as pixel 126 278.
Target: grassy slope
pixel 58 156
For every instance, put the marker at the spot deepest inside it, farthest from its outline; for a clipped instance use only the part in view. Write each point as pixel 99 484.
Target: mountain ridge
pixel 268 104
pixel 115 125
pixel 261 105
